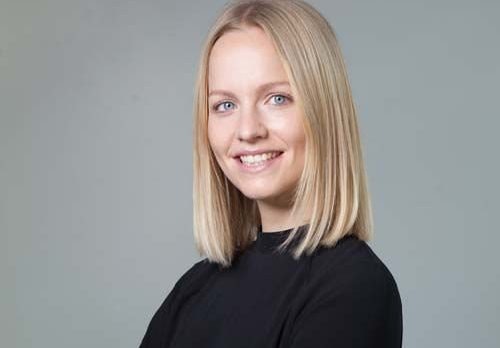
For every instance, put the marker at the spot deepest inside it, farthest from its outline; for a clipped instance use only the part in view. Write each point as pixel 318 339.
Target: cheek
pixel 293 134
pixel 299 134
pixel 217 137
pixel 212 135
pixel 302 142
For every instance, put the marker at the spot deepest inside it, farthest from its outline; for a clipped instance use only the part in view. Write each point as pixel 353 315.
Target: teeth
pixel 258 159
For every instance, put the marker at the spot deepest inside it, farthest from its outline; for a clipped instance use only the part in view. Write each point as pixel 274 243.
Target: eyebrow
pixel 260 89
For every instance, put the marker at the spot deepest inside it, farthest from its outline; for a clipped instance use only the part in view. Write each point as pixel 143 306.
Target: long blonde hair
pixel 332 194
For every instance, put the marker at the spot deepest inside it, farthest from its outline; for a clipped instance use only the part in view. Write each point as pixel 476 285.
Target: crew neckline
pixel 267 242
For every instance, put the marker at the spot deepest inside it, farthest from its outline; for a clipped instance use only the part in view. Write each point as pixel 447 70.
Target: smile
pixel 259 162
pixel 259 159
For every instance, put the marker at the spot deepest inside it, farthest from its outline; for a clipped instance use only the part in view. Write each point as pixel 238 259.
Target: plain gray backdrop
pixel 96 161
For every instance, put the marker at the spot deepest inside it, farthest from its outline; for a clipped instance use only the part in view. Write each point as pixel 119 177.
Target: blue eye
pixel 216 107
pixel 280 97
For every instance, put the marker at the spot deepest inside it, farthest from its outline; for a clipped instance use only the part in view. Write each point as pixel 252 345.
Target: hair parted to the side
pixel 332 194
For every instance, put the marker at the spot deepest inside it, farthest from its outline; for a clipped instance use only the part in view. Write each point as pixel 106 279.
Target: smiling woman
pixel 281 207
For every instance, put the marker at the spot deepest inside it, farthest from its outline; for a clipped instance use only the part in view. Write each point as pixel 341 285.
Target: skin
pixel 243 116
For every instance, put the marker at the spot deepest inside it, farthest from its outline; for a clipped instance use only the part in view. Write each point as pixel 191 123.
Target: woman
pixel 281 206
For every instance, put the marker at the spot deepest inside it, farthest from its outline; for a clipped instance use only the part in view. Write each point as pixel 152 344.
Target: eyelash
pixel 287 96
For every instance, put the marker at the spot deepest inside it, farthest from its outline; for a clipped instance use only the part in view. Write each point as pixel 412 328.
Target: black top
pixel 337 297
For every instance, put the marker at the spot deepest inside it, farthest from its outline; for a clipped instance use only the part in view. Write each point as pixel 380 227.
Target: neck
pixel 275 218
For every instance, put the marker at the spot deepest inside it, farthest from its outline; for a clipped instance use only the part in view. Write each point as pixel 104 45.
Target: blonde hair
pixel 332 193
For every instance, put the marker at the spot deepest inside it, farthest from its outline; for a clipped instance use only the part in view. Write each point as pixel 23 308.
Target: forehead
pixel 244 58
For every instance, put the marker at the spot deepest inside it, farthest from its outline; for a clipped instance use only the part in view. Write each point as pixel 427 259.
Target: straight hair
pixel 332 193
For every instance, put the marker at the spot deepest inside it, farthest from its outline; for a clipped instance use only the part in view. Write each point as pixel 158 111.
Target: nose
pixel 250 125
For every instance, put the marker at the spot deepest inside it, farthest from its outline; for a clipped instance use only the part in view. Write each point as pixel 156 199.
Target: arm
pixel 160 326
pixel 152 335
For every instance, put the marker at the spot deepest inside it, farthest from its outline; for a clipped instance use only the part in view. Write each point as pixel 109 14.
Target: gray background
pixel 95 161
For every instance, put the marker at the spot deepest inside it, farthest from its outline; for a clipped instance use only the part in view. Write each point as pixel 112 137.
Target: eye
pixel 224 103
pixel 280 99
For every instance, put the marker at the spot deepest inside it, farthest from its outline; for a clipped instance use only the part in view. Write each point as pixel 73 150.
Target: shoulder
pixel 349 254
pixel 188 283
pixel 350 299
pixel 196 275
pixel 351 268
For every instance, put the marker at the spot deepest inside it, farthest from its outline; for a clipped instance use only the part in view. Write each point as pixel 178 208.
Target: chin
pixel 257 192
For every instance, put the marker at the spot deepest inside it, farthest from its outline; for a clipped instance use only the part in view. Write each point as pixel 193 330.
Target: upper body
pixel 272 80
pixel 342 296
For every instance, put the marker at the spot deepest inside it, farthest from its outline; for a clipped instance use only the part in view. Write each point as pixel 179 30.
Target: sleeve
pixel 151 337
pixel 365 312
pixel 156 332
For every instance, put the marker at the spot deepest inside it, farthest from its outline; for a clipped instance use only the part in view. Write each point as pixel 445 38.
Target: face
pixel 253 110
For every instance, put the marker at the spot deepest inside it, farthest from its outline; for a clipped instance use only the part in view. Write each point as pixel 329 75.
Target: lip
pixel 258 168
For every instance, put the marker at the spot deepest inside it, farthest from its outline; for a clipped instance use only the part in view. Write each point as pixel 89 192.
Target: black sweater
pixel 337 297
